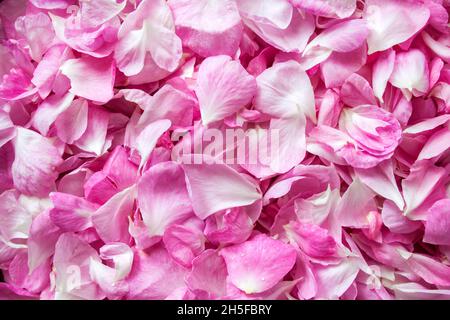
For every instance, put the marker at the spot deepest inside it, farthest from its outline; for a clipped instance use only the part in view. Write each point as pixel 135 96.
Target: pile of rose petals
pixel 98 97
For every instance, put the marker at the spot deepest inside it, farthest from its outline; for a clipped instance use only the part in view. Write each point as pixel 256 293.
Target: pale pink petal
pixel 122 257
pixel 52 4
pixel 130 53
pixel 428 124
pixel 426 267
pixel 174 101
pixel 375 132
pixel 326 142
pixel 95 41
pixel 422 181
pixel 291 148
pixel 34 281
pixel 49 110
pixel 94 137
pixel 326 8
pixel 436 145
pixel 95 13
pixel 438 223
pixel 15 220
pixel 147 139
pixel 47 71
pixel 277 12
pixel 71 267
pixel 34 169
pixel 185 241
pixel 341 65
pixel 333 281
pixel 317 208
pixel 393 22
pixel 382 70
pixel 306 286
pixel 437 47
pixel 329 109
pixel 41 242
pixel 7 130
pixel 355 205
pixel 292 38
pixel 208 274
pixel 342 37
pixel 411 72
pixel 233 226
pixel 357 91
pixel 284 91
pixel 313 240
pixel 394 219
pixel 154 275
pixel 208 27
pixel 381 179
pixel 105 277
pixel 150 18
pixel 223 88
pixel 215 187
pixel 111 219
pixel 415 291
pixel 91 78
pixel 72 123
pixel 38 31
pixel 436 66
pixel 258 264
pixel 163 197
pixel 71 213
